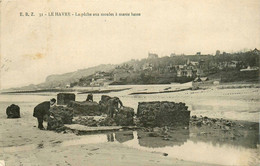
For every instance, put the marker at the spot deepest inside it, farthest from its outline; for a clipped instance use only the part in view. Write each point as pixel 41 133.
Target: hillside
pixel 226 67
pixel 62 80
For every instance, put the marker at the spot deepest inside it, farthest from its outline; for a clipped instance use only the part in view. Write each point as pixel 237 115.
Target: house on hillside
pixel 256 51
pixel 147 66
pixel 187 70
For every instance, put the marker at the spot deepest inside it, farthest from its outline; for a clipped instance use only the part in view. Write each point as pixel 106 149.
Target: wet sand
pixel 23 144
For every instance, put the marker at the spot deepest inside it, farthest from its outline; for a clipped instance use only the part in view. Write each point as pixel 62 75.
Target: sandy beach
pixel 23 144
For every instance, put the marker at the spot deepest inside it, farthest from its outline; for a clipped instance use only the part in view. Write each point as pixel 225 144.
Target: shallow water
pixel 182 149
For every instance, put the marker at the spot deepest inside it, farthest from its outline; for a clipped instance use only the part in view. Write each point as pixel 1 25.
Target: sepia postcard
pixel 129 82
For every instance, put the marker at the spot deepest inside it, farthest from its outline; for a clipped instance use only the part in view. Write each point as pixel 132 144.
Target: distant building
pixel 198 53
pixel 256 51
pixel 187 70
pixel 152 56
pixel 217 52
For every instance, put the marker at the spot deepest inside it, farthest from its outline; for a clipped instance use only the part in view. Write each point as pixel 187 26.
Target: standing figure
pixel 113 106
pixel 90 97
pixel 41 110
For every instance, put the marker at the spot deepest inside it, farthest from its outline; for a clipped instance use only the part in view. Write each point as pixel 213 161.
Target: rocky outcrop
pixel 107 122
pixel 85 108
pixel 65 98
pixel 87 121
pixel 152 114
pixel 13 111
pixel 59 116
pixel 125 116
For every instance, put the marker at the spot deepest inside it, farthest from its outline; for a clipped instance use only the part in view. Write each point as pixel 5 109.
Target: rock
pixel 87 121
pixel 59 116
pixel 65 113
pixel 229 124
pixel 54 123
pixel 13 111
pixel 199 123
pixel 214 120
pixel 125 116
pixel 85 108
pixel 159 114
pixel 165 154
pixel 65 98
pixel 107 122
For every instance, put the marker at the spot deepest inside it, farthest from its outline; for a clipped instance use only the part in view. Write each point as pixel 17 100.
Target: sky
pixel 34 47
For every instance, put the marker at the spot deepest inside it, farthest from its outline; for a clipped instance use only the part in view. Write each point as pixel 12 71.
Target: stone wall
pixel 65 98
pixel 152 114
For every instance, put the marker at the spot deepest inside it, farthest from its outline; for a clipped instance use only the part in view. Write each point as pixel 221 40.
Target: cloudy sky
pixel 35 47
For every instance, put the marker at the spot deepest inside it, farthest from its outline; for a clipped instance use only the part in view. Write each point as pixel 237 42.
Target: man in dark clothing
pixel 41 110
pixel 113 106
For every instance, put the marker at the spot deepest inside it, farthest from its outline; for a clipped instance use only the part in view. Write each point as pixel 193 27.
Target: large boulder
pixel 13 111
pixel 125 116
pixel 65 98
pixel 85 108
pixel 60 115
pixel 152 114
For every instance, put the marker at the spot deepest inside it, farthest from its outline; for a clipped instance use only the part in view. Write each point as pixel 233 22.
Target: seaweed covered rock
pixel 152 114
pixel 85 108
pixel 54 123
pixel 87 121
pixel 65 113
pixel 13 111
pixel 125 116
pixel 65 98
pixel 107 122
pixel 59 116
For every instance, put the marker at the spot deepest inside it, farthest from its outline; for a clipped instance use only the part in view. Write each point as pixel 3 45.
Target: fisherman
pixel 90 97
pixel 113 106
pixel 42 110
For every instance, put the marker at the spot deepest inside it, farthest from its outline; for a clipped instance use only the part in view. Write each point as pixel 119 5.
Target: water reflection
pixel 110 137
pixel 177 138
pixel 182 144
pixel 124 136
pixel 239 137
